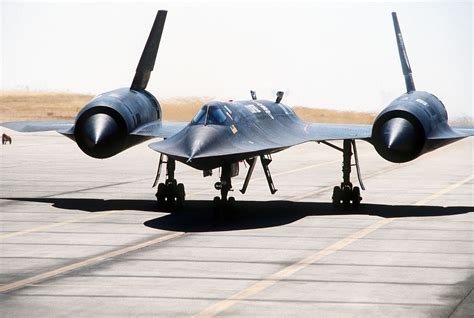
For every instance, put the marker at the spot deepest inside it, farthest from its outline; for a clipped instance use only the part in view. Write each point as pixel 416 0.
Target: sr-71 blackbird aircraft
pixel 223 134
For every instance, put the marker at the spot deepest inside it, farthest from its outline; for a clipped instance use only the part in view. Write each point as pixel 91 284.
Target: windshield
pixel 209 115
pixel 200 117
pixel 215 116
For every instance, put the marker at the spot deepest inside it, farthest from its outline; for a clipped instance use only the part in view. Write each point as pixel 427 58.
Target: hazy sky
pixel 337 55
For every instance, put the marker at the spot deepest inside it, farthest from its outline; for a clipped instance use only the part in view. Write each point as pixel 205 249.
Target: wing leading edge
pixel 328 132
pixel 154 129
pixel 159 129
pixel 38 126
pixel 462 131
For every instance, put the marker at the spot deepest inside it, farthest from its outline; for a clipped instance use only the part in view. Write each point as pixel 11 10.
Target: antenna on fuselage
pixel 403 55
pixel 279 97
pixel 253 94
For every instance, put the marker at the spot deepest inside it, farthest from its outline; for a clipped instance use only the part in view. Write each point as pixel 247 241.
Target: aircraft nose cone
pixel 399 134
pixel 99 129
pixel 195 149
pixel 200 140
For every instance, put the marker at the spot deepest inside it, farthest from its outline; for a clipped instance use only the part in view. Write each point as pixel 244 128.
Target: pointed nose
pixel 399 134
pixel 99 130
pixel 196 148
pixel 202 139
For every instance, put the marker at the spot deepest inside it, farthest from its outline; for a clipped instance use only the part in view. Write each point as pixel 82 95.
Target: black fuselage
pixel 227 132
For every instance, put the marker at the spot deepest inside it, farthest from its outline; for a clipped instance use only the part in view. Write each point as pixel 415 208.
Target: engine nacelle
pixel 400 131
pixel 103 126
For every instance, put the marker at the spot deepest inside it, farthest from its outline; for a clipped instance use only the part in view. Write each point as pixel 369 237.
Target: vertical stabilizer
pixel 147 60
pixel 403 55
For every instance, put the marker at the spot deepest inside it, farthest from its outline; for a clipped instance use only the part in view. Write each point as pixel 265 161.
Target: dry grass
pixel 19 105
pixel 321 115
pixel 182 109
pixel 40 106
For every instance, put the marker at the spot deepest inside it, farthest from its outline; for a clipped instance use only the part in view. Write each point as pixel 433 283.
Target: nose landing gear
pixel 224 203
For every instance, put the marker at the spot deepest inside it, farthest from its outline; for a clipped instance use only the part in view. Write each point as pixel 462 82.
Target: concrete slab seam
pixel 269 281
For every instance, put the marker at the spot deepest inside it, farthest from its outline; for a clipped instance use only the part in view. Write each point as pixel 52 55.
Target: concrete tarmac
pixel 83 237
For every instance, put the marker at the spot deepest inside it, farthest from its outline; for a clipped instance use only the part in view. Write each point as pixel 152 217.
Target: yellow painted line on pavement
pixel 271 280
pixel 90 261
pixel 445 190
pixel 53 225
pixel 40 277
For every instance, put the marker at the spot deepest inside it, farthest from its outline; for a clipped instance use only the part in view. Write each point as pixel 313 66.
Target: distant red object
pixel 6 139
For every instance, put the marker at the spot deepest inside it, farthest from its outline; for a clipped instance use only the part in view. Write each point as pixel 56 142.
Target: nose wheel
pixel 223 204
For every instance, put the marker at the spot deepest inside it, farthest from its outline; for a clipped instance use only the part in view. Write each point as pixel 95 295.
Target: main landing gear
pixel 170 194
pixel 347 196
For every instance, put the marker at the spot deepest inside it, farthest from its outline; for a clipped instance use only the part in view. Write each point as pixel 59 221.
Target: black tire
pixel 230 207
pixel 346 198
pixel 356 198
pixel 216 208
pixel 336 197
pixel 180 195
pixel 161 195
pixel 170 195
pixel 181 186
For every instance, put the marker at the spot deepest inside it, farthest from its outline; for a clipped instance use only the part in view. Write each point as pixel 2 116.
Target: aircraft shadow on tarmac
pixel 197 216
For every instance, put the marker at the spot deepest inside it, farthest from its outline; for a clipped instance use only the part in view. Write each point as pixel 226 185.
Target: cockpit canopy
pixel 210 114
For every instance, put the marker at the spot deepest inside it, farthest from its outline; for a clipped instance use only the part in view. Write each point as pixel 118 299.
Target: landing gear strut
pixel 346 195
pixel 266 160
pixel 170 194
pixel 225 185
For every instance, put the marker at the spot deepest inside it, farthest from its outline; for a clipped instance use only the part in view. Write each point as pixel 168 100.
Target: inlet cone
pixel 99 130
pixel 399 134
